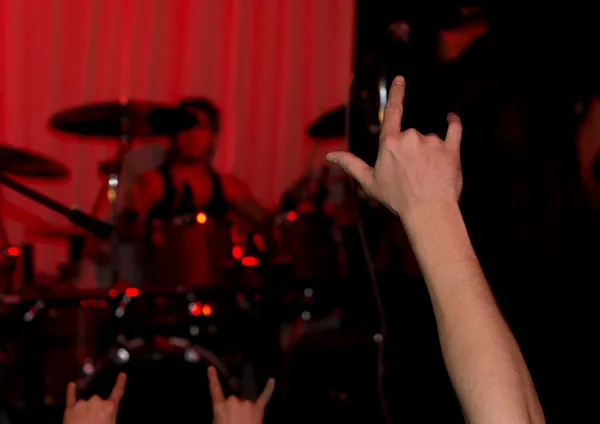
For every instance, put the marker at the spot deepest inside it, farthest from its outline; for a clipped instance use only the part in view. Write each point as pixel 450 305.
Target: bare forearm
pixel 482 357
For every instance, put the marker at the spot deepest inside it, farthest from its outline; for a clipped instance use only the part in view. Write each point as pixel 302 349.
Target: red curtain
pixel 271 66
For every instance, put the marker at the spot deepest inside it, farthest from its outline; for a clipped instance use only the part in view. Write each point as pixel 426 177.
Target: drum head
pixel 160 388
pixel 188 254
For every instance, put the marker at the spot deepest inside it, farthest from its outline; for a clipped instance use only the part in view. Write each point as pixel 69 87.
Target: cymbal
pixel 65 232
pixel 329 125
pixel 142 119
pixel 24 163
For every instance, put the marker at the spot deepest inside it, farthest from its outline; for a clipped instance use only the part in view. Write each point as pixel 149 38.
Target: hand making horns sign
pixel 412 169
pixel 233 410
pixel 95 410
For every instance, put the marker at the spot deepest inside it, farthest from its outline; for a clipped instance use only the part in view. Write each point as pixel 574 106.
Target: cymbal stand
pixel 112 191
pixel 4 242
pixel 5 268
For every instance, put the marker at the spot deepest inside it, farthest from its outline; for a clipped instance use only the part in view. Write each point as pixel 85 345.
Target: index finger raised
pixel 71 398
pixel 392 116
pixel 266 394
pixel 119 389
pixel 216 391
pixel 454 133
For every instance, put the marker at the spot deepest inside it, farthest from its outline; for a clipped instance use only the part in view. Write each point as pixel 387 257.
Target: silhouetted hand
pixel 233 410
pixel 95 410
pixel 412 169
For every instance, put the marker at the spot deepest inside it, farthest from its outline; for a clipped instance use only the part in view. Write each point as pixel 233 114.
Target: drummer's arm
pixel 143 194
pixel 244 205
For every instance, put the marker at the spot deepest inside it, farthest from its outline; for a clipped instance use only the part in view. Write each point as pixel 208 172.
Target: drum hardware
pixel 156 348
pixel 9 258
pixel 76 216
pixel 135 119
pixel 96 310
pixel 66 232
pixel 124 120
pixel 69 270
pixel 190 251
pixel 22 163
pixel 160 372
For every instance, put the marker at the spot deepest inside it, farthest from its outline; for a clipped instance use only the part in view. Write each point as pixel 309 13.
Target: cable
pixel 382 321
pixel 372 273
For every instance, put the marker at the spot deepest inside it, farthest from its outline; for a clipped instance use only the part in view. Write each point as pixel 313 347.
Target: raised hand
pixel 95 410
pixel 412 169
pixel 233 410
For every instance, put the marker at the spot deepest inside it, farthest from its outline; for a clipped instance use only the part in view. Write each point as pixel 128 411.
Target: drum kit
pixel 204 277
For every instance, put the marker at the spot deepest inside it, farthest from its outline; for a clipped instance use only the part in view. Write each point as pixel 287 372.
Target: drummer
pixel 187 183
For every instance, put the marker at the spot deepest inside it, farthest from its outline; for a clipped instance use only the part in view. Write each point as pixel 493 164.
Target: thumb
pixel 119 389
pixel 266 394
pixel 353 166
pixel 454 133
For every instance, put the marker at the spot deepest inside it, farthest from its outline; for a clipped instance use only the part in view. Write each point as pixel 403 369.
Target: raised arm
pixel 588 149
pixel 419 178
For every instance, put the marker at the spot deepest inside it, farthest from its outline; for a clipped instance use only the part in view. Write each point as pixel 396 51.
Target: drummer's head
pixel 198 143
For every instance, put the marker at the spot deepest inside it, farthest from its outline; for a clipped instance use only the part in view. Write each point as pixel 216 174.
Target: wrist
pixel 437 232
pixel 429 215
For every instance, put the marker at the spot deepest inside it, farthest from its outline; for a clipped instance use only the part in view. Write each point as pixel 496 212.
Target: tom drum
pixel 190 251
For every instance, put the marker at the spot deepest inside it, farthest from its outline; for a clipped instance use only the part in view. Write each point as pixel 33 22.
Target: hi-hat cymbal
pixel 329 125
pixel 115 119
pixel 28 164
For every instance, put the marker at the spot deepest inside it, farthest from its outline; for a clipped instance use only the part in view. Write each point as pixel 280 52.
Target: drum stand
pixel 6 269
pixel 112 191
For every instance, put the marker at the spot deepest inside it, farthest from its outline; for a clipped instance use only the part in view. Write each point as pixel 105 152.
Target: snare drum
pixel 190 251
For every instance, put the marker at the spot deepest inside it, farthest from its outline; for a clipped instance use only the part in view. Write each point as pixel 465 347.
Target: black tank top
pixel 216 207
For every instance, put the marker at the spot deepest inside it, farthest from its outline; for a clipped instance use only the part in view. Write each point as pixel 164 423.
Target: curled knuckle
pixel 233 400
pixel 432 138
pixel 411 133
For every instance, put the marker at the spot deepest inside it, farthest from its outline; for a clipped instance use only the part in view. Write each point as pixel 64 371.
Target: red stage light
pixel 13 251
pixel 201 218
pixel 195 309
pixel 237 252
pixel 291 216
pixel 132 292
pixel 250 261
pixel 206 310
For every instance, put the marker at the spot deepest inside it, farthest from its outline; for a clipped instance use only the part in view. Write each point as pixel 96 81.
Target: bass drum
pixel 166 381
